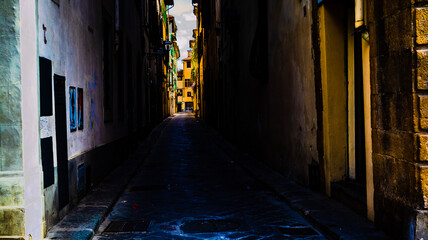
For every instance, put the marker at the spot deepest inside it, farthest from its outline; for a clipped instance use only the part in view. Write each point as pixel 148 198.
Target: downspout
pixel 360 26
pixel 359 13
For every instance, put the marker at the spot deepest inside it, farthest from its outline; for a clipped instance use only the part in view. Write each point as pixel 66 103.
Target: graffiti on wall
pixel 72 92
pixel 80 108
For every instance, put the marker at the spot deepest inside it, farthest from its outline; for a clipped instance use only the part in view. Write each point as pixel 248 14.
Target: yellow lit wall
pixel 187 74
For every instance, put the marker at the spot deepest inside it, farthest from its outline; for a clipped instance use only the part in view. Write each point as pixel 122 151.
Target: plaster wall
pixel 275 116
pixel 64 37
pixel 135 81
pixel 291 124
pixel 70 34
pixel 74 45
pixel 334 92
pixel 20 172
pixel 187 72
pixel 34 221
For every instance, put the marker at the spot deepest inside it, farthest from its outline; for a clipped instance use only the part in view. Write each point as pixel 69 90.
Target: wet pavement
pixel 189 188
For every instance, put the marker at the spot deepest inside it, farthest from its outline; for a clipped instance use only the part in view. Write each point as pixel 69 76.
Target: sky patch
pixel 186 22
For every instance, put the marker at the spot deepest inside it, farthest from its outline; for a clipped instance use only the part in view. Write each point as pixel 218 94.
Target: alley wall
pixel 74 41
pixel 81 83
pixel 12 179
pixel 399 87
pixel 291 121
pixel 71 38
pixel 99 48
pixel 265 96
pixel 333 102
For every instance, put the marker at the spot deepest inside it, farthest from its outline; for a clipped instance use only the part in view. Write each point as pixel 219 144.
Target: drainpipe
pixel 359 13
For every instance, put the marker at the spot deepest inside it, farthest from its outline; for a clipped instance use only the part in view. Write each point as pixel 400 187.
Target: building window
pixel 189 94
pixel 189 64
pixel 188 83
pixel 179 92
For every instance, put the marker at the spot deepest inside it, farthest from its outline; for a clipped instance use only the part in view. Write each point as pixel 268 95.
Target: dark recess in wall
pixel 47 161
pixel 61 140
pixel 45 66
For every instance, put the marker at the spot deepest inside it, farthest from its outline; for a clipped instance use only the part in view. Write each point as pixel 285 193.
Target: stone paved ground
pixel 188 188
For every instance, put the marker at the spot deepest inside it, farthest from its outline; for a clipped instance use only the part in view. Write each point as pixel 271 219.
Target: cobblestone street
pixel 188 188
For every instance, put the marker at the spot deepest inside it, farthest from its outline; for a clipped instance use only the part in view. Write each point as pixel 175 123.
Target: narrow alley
pixel 214 119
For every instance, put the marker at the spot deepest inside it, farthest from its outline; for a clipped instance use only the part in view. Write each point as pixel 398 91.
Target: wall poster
pixel 72 109
pixel 80 108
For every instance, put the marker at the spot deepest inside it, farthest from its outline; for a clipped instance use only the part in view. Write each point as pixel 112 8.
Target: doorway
pixel 346 115
pixel 189 106
pixel 356 163
pixel 360 157
pixel 179 107
pixel 61 140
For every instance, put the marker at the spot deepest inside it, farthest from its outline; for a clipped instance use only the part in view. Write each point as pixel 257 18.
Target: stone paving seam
pixel 337 228
pixel 70 226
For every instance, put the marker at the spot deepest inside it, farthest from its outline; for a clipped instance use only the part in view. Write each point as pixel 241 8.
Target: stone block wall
pixel 420 68
pixel 399 78
pixel 11 164
pixel 10 90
